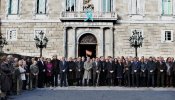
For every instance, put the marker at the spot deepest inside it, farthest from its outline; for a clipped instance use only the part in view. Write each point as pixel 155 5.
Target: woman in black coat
pixel 5 72
pixel 119 70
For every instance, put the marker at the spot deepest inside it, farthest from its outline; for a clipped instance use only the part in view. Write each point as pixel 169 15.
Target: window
pixel 41 6
pixel 107 5
pixel 11 35
pixel 136 6
pixel 167 36
pixel 70 5
pixel 13 7
pixel 167 7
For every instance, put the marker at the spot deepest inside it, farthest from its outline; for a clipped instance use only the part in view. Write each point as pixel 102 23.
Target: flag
pixel 88 53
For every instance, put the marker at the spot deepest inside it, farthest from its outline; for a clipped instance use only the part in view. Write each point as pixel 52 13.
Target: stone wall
pixel 25 44
pixel 152 44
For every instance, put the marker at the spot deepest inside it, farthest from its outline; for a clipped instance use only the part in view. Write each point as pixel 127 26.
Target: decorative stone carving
pixel 88 39
pixel 88 5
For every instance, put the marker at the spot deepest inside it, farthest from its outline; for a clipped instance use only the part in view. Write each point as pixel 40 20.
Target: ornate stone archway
pixel 88 39
pixel 87 45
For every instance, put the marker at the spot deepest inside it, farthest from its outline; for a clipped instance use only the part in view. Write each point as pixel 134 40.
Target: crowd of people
pixel 17 74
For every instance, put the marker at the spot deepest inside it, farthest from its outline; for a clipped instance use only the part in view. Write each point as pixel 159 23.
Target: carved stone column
pixel 101 51
pixel 112 41
pixel 74 42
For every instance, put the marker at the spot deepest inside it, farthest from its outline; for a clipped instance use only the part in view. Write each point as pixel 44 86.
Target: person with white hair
pixel 87 71
pixel 23 76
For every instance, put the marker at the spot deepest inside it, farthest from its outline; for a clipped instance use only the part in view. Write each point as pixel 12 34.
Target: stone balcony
pixel 81 16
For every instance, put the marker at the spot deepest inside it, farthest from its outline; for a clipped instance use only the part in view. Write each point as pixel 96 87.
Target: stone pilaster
pixel 112 41
pixel 65 41
pixel 74 42
pixel 101 51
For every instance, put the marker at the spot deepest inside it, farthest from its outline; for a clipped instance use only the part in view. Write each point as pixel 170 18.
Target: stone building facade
pixel 106 34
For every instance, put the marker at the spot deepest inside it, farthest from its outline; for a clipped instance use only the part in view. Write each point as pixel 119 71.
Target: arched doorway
pixel 87 45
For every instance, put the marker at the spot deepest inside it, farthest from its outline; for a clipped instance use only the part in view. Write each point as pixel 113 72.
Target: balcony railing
pixel 108 16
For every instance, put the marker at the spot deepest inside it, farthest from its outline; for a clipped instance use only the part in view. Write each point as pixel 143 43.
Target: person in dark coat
pixel 135 71
pixel 79 71
pixel 56 70
pixel 115 72
pixel 34 70
pixel 42 72
pixel 63 72
pixel 173 74
pixel 28 62
pixel 127 72
pixel 151 66
pixel 5 72
pixel 119 70
pixel 143 72
pixel 161 71
pixel 169 64
pixel 110 71
pixel 71 71
pixel 103 72
pixel 96 68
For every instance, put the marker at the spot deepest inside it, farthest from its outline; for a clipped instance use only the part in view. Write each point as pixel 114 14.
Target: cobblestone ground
pixel 100 93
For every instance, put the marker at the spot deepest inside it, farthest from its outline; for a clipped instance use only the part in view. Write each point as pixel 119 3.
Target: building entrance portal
pixel 87 46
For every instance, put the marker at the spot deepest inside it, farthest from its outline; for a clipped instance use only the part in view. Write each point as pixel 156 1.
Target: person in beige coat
pixel 87 71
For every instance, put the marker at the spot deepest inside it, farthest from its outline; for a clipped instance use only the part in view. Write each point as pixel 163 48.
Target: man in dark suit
pixel 151 66
pixel 127 72
pixel 63 71
pixel 135 71
pixel 173 73
pixel 96 68
pixel 110 71
pixel 103 72
pixel 42 72
pixel 79 71
pixel 119 69
pixel 71 71
pixel 56 70
pixel 161 70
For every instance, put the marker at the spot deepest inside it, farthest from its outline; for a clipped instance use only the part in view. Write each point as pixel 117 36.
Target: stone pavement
pixel 98 93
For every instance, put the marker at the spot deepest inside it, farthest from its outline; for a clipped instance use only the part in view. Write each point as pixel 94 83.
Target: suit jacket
pixel 127 67
pixel 79 69
pixel 63 66
pixel 161 67
pixel 87 71
pixel 56 68
pixel 96 66
pixel 41 66
pixel 71 70
pixel 135 66
pixel 120 70
pixel 173 68
pixel 110 69
pixel 151 66
pixel 103 66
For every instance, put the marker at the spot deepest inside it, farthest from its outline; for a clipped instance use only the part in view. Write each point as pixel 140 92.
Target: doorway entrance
pixel 87 46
